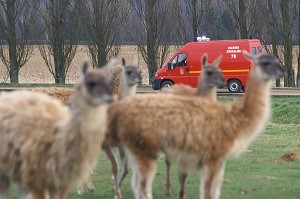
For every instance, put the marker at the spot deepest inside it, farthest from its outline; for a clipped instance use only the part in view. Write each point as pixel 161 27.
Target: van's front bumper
pixel 156 84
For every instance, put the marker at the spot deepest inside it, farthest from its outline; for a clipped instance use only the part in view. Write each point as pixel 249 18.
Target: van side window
pixel 179 60
pixel 182 59
pixel 254 51
pixel 259 50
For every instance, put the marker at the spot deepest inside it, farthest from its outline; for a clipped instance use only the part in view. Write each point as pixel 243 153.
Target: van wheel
pixel 234 86
pixel 166 84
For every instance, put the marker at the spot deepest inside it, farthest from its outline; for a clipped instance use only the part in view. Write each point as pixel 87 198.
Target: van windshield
pixel 254 51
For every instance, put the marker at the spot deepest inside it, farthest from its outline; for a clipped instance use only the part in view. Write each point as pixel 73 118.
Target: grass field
pixel 257 174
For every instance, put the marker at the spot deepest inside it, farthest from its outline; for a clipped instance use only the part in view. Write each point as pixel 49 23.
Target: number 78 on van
pixel 185 65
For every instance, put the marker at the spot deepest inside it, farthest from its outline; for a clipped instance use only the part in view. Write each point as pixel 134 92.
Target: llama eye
pixel 91 84
pixel 128 72
pixel 265 63
pixel 209 73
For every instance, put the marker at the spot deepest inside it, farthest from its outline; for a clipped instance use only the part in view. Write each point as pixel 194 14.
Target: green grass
pixel 253 175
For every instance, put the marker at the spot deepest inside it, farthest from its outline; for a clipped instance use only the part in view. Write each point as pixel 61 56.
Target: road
pixel 275 92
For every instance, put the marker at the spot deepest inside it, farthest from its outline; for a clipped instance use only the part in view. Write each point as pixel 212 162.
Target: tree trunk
pixel 195 18
pixel 151 59
pixel 242 20
pixel 273 35
pixel 298 70
pixel 12 43
pixel 99 25
pixel 289 79
pixel 58 43
pixel 101 55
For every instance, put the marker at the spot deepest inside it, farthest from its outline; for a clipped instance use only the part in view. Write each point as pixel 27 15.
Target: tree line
pixel 57 27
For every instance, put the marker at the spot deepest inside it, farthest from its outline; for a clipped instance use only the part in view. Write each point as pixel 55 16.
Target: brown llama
pixel 195 133
pixel 210 79
pixel 46 147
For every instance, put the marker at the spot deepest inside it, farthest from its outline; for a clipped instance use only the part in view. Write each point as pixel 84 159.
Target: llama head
pixel 133 73
pixel 211 73
pixel 94 85
pixel 266 66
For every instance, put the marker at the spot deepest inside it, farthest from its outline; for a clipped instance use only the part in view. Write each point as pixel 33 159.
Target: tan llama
pixel 125 78
pixel 123 82
pixel 195 133
pixel 60 93
pixel 46 147
pixel 210 79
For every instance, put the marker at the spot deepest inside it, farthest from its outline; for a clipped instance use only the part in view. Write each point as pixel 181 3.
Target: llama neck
pixel 88 119
pixel 250 114
pixel 127 90
pixel 257 94
pixel 204 91
pixel 82 135
pixel 254 109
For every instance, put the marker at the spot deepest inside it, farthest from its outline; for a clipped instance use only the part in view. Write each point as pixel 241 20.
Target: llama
pixel 46 147
pixel 211 77
pixel 195 133
pixel 123 81
pixel 60 93
pixel 63 94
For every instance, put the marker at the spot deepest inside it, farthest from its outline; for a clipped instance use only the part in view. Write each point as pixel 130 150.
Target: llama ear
pixel 123 62
pixel 204 59
pixel 217 61
pixel 85 66
pixel 248 55
pixel 84 69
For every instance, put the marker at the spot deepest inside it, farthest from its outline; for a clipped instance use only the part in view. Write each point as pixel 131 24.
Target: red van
pixel 185 65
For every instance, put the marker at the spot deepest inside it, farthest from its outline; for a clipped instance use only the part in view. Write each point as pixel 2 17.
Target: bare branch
pixel 105 22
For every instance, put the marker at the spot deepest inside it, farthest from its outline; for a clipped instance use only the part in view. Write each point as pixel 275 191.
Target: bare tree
pixel 61 29
pixel 152 31
pixel 289 79
pixel 298 70
pixel 14 30
pixel 272 26
pixel 238 10
pixel 187 18
pixel 195 10
pixel 242 20
pixel 273 31
pixel 105 23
